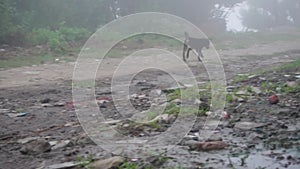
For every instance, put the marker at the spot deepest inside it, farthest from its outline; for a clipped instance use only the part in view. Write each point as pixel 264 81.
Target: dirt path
pixel 234 61
pixel 42 93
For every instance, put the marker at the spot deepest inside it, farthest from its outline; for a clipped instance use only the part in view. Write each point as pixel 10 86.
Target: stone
pixel 212 145
pixel 36 147
pixel 248 125
pixel 291 84
pixel 177 101
pixel 46 100
pixel 107 163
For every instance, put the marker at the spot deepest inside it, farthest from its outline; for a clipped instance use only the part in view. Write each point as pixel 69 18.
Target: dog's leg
pixel 188 52
pixel 184 51
pixel 200 55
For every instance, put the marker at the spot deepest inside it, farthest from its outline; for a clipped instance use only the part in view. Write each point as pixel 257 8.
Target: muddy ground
pixel 39 126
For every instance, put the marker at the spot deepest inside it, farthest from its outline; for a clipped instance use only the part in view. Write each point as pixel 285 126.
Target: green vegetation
pixel 84 162
pixel 57 40
pixel 28 61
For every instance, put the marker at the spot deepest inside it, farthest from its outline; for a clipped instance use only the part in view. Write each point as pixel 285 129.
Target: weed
pixel 171 108
pixel 290 89
pixel 84 162
pixel 128 165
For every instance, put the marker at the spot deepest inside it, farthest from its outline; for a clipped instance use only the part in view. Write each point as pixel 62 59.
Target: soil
pixel 43 94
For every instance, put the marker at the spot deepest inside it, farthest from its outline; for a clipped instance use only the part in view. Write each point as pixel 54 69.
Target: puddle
pixel 257 159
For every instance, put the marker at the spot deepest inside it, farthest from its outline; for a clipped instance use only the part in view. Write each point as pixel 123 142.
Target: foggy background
pixel 21 17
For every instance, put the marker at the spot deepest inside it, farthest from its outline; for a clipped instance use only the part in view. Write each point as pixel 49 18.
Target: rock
pixel 192 144
pixel 36 147
pixel 240 100
pixel 197 101
pixel 62 165
pixel 61 144
pixel 84 139
pixel 274 99
pixel 214 138
pixel 282 111
pixel 212 145
pixel 247 125
pixel 107 163
pixel 291 84
pixel 46 100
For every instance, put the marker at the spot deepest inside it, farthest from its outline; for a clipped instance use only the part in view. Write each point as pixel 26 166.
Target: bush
pixel 57 39
pixel 74 34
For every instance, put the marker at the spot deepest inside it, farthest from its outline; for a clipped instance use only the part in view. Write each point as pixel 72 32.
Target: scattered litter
pixel 274 99
pixel 61 144
pixel 4 110
pixel 112 122
pixel 291 83
pixel 134 159
pixel 177 101
pixel 27 139
pixel 225 115
pixel 46 105
pixel 59 104
pixel 251 76
pixel 241 92
pixel 13 115
pixel 62 165
pixel 53 143
pixel 72 124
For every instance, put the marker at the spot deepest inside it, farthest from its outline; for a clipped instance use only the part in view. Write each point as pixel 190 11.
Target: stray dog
pixel 194 43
